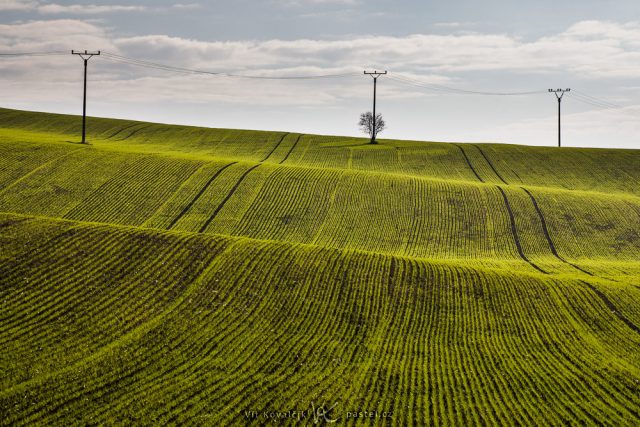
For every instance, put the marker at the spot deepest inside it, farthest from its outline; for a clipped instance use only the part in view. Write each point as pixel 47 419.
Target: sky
pixel 446 62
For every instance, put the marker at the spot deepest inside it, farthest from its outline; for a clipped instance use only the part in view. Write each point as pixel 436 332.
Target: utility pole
pixel 86 56
pixel 375 74
pixel 559 94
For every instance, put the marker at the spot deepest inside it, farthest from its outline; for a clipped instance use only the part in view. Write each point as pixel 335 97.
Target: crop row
pixel 19 161
pixel 291 205
pixel 223 143
pixel 182 201
pixel 335 208
pixel 59 185
pixel 570 168
pixel 246 145
pixel 279 326
pixel 610 228
pixel 481 166
pixel 134 193
pixel 85 287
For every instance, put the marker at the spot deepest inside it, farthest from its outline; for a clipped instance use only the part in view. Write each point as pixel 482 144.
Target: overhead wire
pixel 19 54
pixel 433 87
pixel 575 94
pixel 597 100
pixel 602 104
pixel 452 90
pixel 158 66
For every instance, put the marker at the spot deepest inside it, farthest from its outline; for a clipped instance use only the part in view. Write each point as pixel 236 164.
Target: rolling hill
pixel 173 274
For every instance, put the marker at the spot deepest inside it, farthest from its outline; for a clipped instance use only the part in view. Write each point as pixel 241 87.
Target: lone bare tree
pixel 370 126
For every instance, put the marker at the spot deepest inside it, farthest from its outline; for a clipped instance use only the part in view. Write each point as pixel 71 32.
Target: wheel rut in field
pixel 226 199
pixel 514 231
pixel 118 132
pixel 612 307
pixel 545 230
pixel 275 147
pixel 200 193
pixel 469 163
pixel 291 149
pixel 133 133
pixel 490 164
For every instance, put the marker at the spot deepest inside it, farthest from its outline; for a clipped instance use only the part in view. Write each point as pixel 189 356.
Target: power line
pixel 396 77
pixel 432 87
pixel 452 90
pixel 164 67
pixel 603 105
pixel 598 100
pixel 598 104
pixel 20 54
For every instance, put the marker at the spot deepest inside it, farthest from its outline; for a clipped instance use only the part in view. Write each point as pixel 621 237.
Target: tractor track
pixel 275 148
pixel 200 193
pixel 118 132
pixel 612 307
pixel 490 164
pixel 469 163
pixel 226 199
pixel 133 133
pixel 545 230
pixel 291 149
pixel 514 232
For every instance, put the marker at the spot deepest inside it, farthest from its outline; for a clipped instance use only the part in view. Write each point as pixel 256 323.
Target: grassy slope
pixel 248 270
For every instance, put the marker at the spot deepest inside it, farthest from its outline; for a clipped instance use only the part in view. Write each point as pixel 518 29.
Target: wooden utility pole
pixel 559 94
pixel 375 74
pixel 86 56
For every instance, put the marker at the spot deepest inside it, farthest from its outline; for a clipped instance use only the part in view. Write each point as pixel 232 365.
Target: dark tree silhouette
pixel 366 125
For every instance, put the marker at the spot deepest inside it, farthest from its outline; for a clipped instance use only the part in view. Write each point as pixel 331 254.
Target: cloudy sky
pixel 436 53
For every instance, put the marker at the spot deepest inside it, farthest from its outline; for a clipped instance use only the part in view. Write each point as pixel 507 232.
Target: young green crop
pixel 180 275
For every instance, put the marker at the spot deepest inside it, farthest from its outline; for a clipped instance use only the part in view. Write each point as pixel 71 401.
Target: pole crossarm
pixel 559 92
pixel 375 74
pixel 86 55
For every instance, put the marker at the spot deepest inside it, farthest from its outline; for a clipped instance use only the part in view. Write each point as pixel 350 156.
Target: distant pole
pixel 559 94
pixel 375 74
pixel 86 56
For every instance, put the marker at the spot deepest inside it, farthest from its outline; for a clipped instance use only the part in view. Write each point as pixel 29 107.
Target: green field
pixel 181 275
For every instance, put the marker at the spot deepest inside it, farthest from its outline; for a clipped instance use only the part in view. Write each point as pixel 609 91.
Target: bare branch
pixel 367 126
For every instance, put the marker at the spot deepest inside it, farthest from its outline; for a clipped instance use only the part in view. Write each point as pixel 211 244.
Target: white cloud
pixel 450 24
pixel 60 34
pixel 186 6
pixel 72 9
pixel 89 9
pixel 605 52
pixel 587 49
pixel 318 2
pixel 611 51
pixel 17 5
